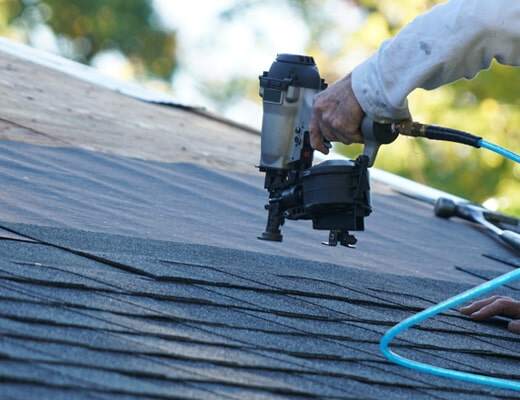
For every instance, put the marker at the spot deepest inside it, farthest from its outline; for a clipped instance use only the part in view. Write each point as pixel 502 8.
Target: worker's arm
pixel 454 40
pixel 495 306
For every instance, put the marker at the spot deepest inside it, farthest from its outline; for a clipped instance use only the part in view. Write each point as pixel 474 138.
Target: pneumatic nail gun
pixel 334 194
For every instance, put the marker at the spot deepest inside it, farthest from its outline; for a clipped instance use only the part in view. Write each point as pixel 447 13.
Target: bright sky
pixel 215 49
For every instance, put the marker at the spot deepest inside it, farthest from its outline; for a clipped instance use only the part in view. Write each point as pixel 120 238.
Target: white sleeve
pixel 454 40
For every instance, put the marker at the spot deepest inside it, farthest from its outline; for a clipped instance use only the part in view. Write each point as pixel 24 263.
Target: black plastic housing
pixel 292 70
pixel 336 194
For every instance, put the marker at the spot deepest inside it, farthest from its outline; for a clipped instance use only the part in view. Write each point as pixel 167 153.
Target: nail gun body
pixel 333 194
pixel 287 90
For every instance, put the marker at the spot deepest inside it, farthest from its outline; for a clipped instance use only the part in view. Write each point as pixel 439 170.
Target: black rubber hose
pixel 451 135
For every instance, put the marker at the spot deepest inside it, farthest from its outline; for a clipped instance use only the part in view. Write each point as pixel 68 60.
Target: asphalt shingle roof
pixel 87 314
pixel 186 202
pixel 157 319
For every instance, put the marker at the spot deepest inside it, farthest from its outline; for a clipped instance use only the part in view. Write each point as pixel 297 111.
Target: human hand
pixel 495 306
pixel 336 116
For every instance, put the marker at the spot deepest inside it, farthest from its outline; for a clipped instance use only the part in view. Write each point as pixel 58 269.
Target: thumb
pixel 514 326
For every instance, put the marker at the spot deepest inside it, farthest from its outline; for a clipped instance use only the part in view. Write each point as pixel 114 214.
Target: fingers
pixel 477 305
pixel 514 326
pixel 337 115
pixel 327 132
pixel 357 137
pixel 340 128
pixel 316 136
pixel 494 306
pixel 503 306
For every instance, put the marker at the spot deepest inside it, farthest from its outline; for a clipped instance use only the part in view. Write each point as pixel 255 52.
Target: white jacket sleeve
pixel 454 40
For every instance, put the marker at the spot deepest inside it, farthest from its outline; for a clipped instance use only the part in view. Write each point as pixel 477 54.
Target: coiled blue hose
pixel 455 301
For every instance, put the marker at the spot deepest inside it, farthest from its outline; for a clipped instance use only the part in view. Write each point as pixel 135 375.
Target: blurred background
pixel 210 53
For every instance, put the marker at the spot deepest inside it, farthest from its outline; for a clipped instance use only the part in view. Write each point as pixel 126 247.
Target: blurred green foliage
pixel 85 28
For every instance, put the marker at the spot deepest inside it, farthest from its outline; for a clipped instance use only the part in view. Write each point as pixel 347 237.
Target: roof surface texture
pixel 133 278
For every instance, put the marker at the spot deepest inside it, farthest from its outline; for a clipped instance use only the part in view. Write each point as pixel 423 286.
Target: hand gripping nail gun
pixel 334 194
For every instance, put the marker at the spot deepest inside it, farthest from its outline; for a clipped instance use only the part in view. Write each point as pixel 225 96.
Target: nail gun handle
pixel 371 144
pixel 374 135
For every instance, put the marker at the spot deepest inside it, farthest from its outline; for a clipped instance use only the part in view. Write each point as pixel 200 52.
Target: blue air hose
pixel 499 150
pixel 455 301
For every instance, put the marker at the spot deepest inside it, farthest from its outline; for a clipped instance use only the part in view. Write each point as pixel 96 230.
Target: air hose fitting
pixel 433 132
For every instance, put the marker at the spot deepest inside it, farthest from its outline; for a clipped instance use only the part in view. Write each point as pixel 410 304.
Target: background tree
pixel 84 29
